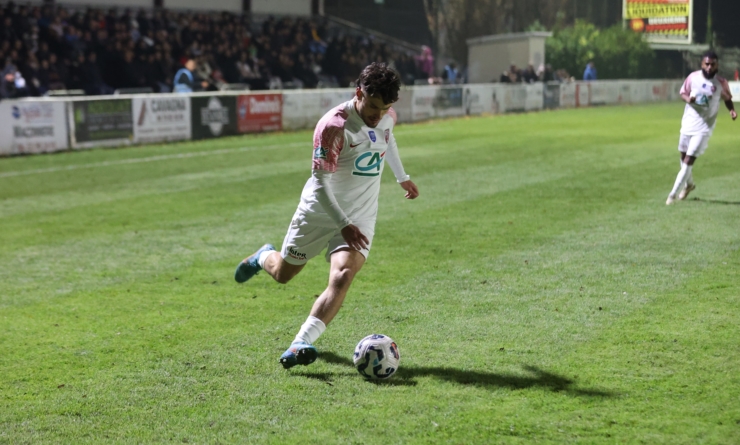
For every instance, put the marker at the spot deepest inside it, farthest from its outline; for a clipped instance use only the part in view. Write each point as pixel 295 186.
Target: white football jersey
pixel 701 117
pixel 354 153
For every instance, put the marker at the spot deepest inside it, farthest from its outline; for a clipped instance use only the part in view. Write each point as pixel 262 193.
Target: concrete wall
pixel 489 56
pixel 209 5
pixel 282 7
pixel 107 3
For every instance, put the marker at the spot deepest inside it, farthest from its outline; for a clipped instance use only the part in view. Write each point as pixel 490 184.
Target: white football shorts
pixel 693 145
pixel 304 241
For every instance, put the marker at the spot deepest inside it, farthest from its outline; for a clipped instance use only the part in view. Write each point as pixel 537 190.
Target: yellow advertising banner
pixel 661 21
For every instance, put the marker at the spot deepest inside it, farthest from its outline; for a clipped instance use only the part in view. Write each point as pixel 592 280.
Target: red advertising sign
pixel 260 112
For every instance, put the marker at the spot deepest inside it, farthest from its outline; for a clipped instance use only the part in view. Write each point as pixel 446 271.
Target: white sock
pixel 310 331
pixel 690 178
pixel 683 175
pixel 263 257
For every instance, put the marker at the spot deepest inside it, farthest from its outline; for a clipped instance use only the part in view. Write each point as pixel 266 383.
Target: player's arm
pixel 329 145
pixel 686 92
pixel 325 195
pixel 394 161
pixel 727 97
pixel 731 106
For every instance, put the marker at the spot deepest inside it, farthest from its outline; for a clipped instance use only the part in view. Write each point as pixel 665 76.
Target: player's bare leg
pixel 279 269
pixel 345 264
pixel 684 174
pixel 690 186
pixel 269 260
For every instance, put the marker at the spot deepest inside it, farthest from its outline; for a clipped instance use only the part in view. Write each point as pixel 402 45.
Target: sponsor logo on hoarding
pixel 163 110
pixel 215 116
pixel 33 132
pixel 266 106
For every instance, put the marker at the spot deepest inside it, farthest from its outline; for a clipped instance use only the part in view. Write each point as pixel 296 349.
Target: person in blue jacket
pixel 590 72
pixel 185 79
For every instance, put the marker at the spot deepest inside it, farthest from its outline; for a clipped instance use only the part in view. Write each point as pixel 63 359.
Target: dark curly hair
pixel 380 80
pixel 710 55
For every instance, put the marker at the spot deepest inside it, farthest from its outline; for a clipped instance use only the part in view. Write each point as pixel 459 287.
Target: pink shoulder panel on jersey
pixel 726 93
pixel 392 113
pixel 686 87
pixel 328 139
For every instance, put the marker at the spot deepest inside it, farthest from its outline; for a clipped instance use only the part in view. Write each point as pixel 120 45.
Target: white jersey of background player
pixel 339 203
pixel 702 91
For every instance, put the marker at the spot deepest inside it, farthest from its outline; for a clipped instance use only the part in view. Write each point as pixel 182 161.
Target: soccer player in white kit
pixel 339 203
pixel 702 92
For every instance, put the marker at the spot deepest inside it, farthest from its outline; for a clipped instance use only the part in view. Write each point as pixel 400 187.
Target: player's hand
pixel 354 237
pixel 692 99
pixel 412 192
pixel 733 113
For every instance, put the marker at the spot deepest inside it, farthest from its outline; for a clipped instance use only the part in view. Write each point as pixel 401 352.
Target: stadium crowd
pixel 49 47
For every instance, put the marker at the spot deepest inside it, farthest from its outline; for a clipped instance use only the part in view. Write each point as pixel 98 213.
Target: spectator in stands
pixel 546 73
pixel 142 48
pixel 426 62
pixel 529 75
pixel 7 80
pixel 511 75
pixel 451 73
pixel 563 76
pixel 185 80
pixel 590 72
pixel 92 77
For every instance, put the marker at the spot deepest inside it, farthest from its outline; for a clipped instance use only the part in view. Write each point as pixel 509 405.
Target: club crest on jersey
pixel 387 136
pixel 371 133
pixel 320 153
pixel 369 163
pixel 714 89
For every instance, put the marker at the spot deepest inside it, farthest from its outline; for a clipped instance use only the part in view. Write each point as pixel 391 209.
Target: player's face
pixel 371 109
pixel 709 67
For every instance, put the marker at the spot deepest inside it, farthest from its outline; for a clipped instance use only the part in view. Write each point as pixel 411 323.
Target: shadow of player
pixel 717 201
pixel 406 374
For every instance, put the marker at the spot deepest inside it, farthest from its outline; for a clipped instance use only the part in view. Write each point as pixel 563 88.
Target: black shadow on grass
pixel 406 374
pixel 717 201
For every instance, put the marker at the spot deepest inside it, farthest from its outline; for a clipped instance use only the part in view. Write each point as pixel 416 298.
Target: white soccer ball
pixel 377 357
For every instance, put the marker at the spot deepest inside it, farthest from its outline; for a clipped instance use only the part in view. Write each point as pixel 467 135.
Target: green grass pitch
pixel 539 289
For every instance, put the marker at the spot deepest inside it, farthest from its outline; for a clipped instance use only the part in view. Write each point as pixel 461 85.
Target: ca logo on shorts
pixel 368 163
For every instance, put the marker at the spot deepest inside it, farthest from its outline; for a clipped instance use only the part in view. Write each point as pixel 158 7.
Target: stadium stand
pixel 48 48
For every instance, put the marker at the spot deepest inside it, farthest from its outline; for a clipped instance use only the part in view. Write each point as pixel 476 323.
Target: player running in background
pixel 339 203
pixel 702 92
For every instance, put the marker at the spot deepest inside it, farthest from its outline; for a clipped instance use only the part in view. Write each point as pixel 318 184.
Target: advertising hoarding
pixel 158 119
pixel 213 116
pixel 661 21
pixel 101 122
pixel 260 112
pixel 32 127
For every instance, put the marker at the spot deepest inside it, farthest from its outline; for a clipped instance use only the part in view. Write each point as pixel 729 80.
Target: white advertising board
pixel 28 127
pixel 293 117
pixel 481 99
pixel 567 95
pixel 161 118
pixel 303 109
pixel 403 106
pixel 735 90
pixel 535 96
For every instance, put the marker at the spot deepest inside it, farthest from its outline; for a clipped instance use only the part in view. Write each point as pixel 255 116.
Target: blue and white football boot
pixel 250 266
pixel 299 353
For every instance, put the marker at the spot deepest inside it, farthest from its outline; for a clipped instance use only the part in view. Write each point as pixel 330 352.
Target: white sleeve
pixel 327 199
pixel 394 161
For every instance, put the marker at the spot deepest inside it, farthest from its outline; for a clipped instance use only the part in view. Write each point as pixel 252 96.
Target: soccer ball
pixel 377 357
